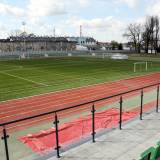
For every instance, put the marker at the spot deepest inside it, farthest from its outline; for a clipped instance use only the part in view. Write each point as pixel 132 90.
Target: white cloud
pixel 3 31
pixel 141 20
pixel 42 8
pixel 37 12
pixel 84 3
pixel 154 8
pixel 39 9
pixel 101 28
pixel 130 3
pixel 7 9
pixel 96 23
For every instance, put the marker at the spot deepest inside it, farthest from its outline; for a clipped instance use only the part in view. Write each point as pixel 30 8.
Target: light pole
pixel 24 31
pixel 54 32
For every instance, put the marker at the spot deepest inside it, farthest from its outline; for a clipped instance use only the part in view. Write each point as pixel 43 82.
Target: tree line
pixel 144 36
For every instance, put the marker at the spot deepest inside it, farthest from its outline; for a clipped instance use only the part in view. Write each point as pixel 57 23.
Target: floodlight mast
pixel 54 32
pixel 24 24
pixel 24 31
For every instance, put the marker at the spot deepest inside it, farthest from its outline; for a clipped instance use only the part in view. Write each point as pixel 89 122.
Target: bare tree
pixel 151 34
pixel 15 33
pixel 148 33
pixel 134 35
pixel 157 30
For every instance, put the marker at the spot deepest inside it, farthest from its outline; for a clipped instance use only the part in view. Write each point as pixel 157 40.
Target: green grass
pixel 21 78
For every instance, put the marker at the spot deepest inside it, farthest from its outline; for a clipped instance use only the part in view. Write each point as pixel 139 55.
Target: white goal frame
pixel 146 64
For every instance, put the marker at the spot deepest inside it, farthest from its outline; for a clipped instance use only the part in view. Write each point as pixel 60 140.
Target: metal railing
pixel 93 111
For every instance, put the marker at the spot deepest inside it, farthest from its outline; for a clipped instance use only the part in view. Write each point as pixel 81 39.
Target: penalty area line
pixel 25 79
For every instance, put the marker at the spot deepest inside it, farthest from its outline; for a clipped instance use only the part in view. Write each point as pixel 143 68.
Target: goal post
pixel 142 65
pixel 106 55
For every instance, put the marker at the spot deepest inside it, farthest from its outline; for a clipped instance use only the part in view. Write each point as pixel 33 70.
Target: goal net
pixel 142 66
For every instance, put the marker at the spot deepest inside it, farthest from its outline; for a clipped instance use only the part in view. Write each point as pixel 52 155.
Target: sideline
pixel 25 79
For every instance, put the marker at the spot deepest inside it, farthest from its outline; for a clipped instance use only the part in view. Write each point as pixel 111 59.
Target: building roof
pixel 33 38
pixel 77 39
pixel 40 39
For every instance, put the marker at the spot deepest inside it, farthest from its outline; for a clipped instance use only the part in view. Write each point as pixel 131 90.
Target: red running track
pixel 29 106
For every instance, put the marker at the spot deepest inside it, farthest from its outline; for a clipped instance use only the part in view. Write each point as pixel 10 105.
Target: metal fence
pixel 53 53
pixel 93 111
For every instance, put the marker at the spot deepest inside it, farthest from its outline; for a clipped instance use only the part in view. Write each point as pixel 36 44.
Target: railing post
pixel 157 106
pixel 141 110
pixel 120 114
pixel 57 136
pixel 93 123
pixel 5 137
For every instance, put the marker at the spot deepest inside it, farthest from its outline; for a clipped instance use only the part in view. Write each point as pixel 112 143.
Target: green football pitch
pixel 21 78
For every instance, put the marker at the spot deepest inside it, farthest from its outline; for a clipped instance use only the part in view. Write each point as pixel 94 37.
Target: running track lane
pixel 20 108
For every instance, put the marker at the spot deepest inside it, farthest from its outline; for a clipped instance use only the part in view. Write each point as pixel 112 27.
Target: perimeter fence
pixel 53 53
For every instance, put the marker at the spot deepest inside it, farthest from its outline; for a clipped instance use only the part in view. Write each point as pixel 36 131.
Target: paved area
pixel 126 144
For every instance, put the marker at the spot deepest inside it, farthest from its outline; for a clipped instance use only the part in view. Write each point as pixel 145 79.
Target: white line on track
pixel 25 79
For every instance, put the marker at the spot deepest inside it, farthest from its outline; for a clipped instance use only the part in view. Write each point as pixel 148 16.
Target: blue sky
pixel 105 20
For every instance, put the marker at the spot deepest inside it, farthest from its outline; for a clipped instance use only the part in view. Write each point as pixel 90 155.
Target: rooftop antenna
pixel 54 32
pixel 80 30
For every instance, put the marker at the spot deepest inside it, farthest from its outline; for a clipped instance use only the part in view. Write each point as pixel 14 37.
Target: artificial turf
pixel 21 78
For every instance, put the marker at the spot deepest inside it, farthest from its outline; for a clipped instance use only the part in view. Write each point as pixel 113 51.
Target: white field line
pixel 70 89
pixel 99 70
pixel 11 65
pixel 76 78
pixel 8 70
pixel 25 79
pixel 140 82
pixel 23 90
pixel 44 103
pixel 62 76
pixel 60 80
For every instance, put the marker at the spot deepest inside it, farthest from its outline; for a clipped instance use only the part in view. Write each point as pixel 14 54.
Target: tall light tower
pixel 24 31
pixel 54 32
pixel 24 25
pixel 80 30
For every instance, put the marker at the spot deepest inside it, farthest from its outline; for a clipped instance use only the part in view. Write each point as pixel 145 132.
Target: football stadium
pixel 79 80
pixel 52 105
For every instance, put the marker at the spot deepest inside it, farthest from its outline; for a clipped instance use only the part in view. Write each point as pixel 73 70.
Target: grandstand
pixel 32 43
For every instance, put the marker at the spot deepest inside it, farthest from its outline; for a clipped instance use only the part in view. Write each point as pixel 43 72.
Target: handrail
pixel 75 106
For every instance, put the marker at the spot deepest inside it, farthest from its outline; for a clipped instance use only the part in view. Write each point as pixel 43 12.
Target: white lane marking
pixel 25 79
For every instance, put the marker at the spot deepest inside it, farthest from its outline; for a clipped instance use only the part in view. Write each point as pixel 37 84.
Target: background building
pixel 88 42
pixel 31 42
